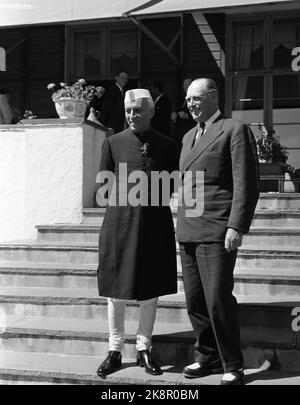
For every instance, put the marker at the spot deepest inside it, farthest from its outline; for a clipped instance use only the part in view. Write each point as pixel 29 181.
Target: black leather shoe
pixel 237 380
pixel 112 363
pixel 144 359
pixel 204 369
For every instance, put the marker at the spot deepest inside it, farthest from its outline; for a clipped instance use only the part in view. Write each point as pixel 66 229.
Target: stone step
pixel 270 281
pixel 255 310
pixel 252 256
pixel 276 236
pixel 263 217
pixel 275 201
pixel 80 303
pixel 171 341
pixel 270 200
pixel 90 337
pixel 48 368
pixel 276 218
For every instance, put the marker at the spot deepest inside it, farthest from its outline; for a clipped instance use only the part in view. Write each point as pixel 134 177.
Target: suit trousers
pixel 208 283
pixel 116 323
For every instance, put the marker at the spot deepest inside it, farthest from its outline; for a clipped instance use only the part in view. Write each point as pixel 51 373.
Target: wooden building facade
pixel 252 51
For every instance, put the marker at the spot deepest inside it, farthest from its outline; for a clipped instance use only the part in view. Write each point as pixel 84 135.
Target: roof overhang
pixel 27 12
pixel 152 7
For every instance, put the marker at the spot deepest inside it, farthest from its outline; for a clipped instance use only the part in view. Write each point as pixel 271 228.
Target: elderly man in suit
pixel 137 251
pixel 112 110
pixel 225 151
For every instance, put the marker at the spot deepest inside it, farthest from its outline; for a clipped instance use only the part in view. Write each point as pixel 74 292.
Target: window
pixel 286 36
pixel 248 93
pixel 286 91
pixel 123 51
pixel 264 63
pixel 98 53
pixel 248 46
pixel 88 54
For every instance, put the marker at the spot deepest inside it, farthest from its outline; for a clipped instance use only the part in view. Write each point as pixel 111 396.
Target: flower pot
pixel 70 107
pixel 271 177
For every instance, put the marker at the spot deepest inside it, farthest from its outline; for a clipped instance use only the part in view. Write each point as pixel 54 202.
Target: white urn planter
pixel 70 107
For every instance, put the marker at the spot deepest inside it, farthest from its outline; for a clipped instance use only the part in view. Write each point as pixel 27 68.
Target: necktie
pixel 200 131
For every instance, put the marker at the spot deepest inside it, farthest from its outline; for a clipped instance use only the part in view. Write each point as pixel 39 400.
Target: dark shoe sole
pixel 104 373
pixel 239 381
pixel 216 370
pixel 141 364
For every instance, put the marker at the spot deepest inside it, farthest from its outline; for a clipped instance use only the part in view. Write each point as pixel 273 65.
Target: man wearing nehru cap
pixel 137 252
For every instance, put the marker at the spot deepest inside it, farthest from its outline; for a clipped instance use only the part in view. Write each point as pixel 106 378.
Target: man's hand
pixel 233 240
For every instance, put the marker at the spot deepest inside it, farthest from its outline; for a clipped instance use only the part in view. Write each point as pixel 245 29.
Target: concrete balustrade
pixel 48 173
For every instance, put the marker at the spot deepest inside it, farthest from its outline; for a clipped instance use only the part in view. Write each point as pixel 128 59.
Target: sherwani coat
pixel 137 251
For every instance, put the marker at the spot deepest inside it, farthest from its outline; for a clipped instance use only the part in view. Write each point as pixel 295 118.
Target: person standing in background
pixel 6 115
pixel 182 118
pixel 163 109
pixel 112 113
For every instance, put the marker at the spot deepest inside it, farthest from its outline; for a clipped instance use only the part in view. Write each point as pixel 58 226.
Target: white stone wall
pixel 42 167
pixel 12 182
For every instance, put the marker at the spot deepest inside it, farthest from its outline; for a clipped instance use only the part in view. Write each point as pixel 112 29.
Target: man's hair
pixel 121 71
pixel 211 85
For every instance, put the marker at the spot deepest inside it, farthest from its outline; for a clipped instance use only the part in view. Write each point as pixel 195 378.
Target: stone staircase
pixel 53 327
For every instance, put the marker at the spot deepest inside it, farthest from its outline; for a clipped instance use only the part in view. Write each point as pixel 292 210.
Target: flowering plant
pixel 78 90
pixel 269 147
pixel 28 114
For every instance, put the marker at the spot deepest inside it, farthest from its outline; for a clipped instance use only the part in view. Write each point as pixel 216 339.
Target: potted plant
pixel 272 157
pixel 269 148
pixel 71 101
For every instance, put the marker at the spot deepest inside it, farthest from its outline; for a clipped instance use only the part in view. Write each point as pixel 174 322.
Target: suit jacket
pixel 161 118
pixel 112 111
pixel 227 155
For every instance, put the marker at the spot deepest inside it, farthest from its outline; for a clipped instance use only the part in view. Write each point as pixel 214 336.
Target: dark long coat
pixel 162 113
pixel 112 110
pixel 137 251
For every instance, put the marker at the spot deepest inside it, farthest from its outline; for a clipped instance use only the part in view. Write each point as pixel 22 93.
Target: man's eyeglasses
pixel 199 98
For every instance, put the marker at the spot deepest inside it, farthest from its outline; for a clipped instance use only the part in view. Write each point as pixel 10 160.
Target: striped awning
pixel 26 12
pixel 167 6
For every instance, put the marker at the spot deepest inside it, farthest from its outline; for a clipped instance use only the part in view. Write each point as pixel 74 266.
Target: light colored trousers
pixel 116 323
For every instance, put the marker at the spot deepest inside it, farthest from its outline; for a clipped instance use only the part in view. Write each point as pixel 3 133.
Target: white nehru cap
pixel 135 94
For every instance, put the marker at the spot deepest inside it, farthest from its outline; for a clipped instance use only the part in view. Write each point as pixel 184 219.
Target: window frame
pixel 105 29
pixel 268 70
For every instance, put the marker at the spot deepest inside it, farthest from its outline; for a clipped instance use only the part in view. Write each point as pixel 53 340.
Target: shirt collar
pixel 117 84
pixel 158 97
pixel 212 119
